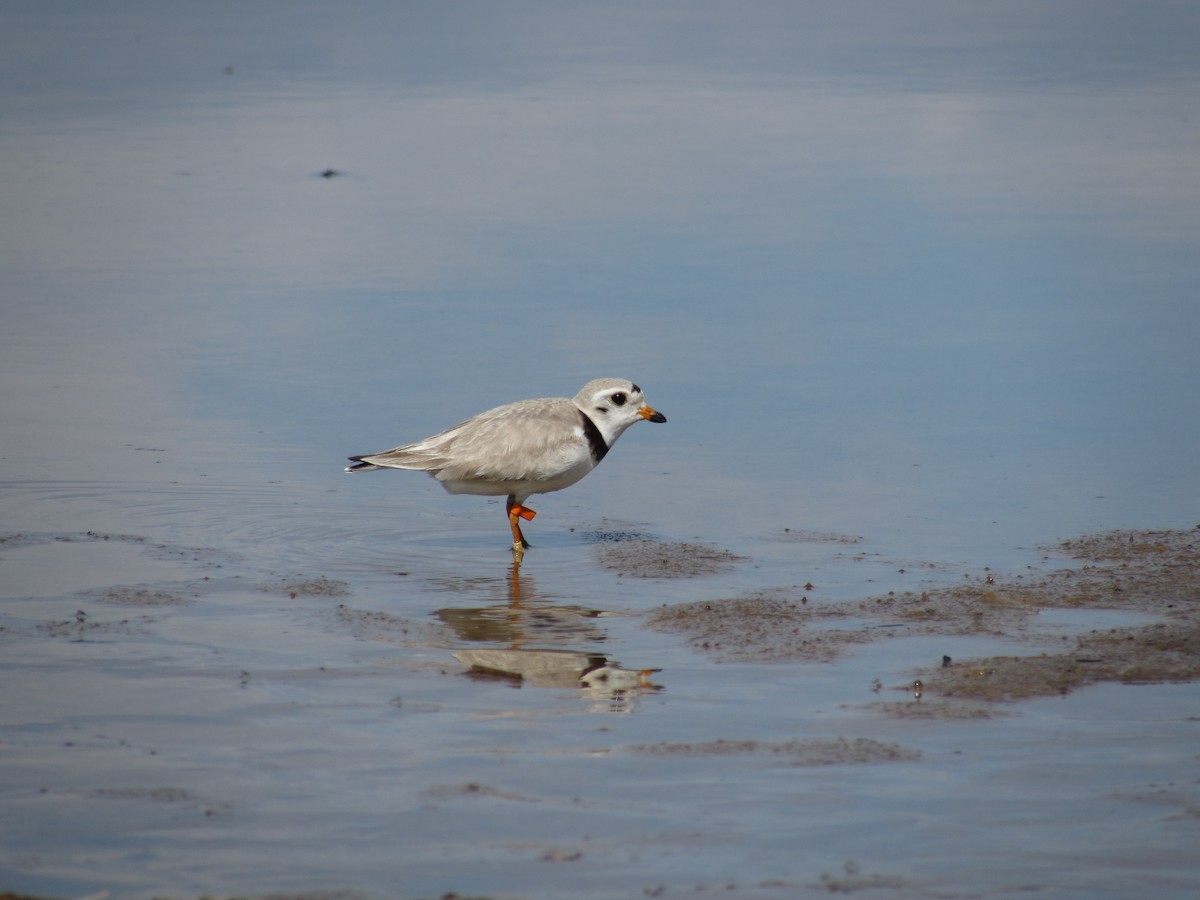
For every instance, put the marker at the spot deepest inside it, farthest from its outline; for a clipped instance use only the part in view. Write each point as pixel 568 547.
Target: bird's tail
pixel 360 466
pixel 411 456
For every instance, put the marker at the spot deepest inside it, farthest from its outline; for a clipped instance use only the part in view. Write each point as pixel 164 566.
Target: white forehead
pixel 606 385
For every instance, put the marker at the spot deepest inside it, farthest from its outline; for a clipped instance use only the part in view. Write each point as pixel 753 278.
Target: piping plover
pixel 523 448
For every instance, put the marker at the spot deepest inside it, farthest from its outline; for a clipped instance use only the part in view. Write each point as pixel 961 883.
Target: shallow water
pixel 916 291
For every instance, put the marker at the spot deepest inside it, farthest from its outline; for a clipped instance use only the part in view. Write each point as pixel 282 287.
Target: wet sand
pixel 100 766
pixel 1151 574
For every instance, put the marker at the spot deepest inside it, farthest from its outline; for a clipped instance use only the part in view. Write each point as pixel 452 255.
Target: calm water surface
pixel 921 275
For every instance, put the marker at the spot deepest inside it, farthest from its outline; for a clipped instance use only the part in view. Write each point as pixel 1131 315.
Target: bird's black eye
pixel 618 399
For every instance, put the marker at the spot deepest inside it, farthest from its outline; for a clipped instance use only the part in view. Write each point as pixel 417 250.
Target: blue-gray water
pixel 922 274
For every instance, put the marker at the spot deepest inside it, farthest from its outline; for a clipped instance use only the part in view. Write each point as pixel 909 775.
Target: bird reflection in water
pixel 523 633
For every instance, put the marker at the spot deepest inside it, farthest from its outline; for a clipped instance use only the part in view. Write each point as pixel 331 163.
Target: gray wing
pixel 528 440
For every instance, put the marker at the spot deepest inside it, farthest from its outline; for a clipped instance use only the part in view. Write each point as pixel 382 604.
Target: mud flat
pixel 1154 576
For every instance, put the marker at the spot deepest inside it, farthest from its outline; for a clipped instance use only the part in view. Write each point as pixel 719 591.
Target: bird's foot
pixel 523 511
pixel 516 512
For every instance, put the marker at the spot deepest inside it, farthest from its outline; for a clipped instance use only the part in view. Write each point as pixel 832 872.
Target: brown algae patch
pixel 800 535
pixel 1151 573
pixel 372 623
pixel 157 795
pixel 134 596
pixel 650 558
pixel 376 625
pixel 1167 651
pixel 310 587
pixel 1167 548
pixel 812 752
pixel 82 627
pixel 764 625
pixel 852 880
pixel 941 710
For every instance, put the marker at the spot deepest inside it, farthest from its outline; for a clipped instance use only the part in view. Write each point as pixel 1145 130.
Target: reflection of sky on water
pixel 916 281
pixel 931 263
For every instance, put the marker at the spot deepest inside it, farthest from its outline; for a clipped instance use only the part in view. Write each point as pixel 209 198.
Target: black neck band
pixel 594 438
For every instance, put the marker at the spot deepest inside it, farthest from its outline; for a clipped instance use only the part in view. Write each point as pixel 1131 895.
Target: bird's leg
pixel 516 512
